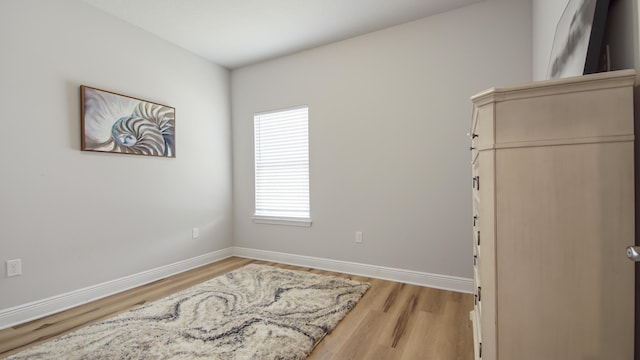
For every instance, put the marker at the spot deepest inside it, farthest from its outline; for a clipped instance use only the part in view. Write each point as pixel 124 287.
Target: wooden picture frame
pixel 121 124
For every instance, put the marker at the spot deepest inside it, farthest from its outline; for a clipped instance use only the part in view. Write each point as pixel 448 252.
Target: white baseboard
pixel 37 309
pixel 40 308
pixel 437 281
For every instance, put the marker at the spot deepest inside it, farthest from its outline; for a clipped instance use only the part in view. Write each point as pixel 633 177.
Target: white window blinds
pixel 282 164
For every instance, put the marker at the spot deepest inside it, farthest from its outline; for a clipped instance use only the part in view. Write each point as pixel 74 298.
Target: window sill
pixel 272 220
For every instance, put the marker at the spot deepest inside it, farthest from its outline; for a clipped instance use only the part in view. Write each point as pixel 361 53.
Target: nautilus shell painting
pixel 121 124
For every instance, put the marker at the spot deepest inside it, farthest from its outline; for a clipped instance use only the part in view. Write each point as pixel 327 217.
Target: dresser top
pixel 602 80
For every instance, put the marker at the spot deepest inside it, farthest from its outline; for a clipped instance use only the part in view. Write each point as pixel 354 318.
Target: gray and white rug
pixel 255 312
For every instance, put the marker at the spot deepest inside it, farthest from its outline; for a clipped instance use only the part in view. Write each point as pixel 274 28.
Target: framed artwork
pixel 579 38
pixel 122 124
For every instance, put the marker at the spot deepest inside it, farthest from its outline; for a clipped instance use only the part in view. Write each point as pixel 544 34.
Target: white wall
pixel 389 113
pixel 622 34
pixel 636 23
pixel 79 218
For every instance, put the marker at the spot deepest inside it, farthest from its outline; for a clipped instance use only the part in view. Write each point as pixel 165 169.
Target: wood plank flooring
pixel 391 321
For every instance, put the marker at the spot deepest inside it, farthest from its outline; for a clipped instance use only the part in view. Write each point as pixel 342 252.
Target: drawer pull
pixel 479 293
pixel 478 237
pixel 633 253
pixel 472 148
pixel 476 182
pixel 475 218
pixel 475 260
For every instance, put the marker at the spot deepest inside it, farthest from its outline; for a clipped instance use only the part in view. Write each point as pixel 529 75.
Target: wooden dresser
pixel 553 211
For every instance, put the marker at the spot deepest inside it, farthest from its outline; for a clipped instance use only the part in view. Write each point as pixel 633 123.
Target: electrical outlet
pixel 195 233
pixel 358 237
pixel 14 267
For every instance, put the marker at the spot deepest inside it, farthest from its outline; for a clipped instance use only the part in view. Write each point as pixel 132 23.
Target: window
pixel 281 140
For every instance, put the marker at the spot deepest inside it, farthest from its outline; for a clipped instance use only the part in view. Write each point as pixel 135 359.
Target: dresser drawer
pixel 482 130
pixel 473 134
pixel 477 292
pixel 477 333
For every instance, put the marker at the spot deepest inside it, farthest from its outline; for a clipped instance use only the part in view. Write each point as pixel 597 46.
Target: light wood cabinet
pixel 553 208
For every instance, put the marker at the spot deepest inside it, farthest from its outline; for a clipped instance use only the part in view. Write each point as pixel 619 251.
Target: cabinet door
pixel 565 215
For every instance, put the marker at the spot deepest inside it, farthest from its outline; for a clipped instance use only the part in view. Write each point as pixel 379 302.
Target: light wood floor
pixel 391 321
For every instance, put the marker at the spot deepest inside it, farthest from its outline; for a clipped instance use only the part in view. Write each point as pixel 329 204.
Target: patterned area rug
pixel 255 312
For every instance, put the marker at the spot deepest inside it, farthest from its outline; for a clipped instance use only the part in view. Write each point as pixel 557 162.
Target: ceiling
pixel 235 33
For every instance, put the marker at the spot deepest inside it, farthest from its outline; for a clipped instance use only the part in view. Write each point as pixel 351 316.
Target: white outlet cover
pixel 195 233
pixel 14 267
